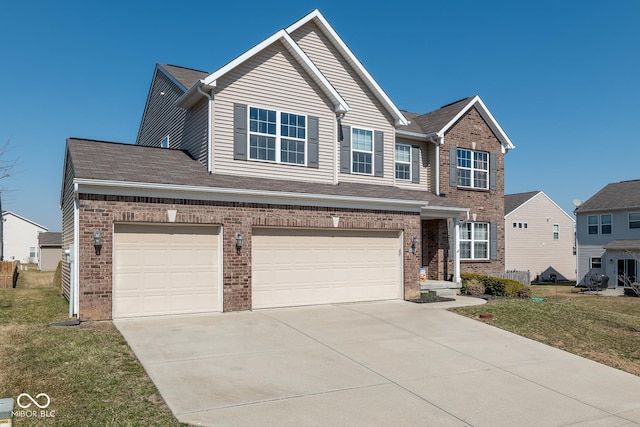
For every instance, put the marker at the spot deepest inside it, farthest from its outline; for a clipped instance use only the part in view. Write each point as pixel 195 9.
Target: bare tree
pixel 6 169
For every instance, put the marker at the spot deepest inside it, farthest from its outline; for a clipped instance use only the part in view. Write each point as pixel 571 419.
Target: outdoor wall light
pixel 414 245
pixel 97 241
pixel 238 242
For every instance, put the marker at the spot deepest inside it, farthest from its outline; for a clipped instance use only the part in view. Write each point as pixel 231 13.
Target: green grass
pixel 604 329
pixel 88 371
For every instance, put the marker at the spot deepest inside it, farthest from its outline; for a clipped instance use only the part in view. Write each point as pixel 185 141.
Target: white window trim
pixel 410 163
pixel 472 169
pixel 278 137
pixel 629 220
pixel 556 231
pixel 373 148
pixel 600 224
pixel 591 262
pixel 166 138
pixel 472 241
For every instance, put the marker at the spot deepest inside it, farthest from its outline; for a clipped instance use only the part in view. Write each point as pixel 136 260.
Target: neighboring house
pixel 287 177
pixel 49 250
pixel 539 237
pixel 608 234
pixel 20 238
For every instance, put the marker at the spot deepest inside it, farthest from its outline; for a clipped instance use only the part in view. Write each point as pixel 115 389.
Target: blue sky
pixel 561 77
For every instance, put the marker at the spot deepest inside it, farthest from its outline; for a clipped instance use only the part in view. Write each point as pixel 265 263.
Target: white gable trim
pixel 400 119
pixel 340 105
pixel 5 213
pixel 486 114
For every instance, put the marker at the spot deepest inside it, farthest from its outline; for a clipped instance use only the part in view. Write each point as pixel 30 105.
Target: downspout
pixel 438 143
pixel 336 148
pixel 209 129
pixel 74 285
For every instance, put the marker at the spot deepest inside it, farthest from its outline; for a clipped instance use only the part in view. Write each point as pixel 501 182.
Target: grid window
pixel 403 162
pixel 285 143
pixel 556 231
pixel 362 151
pixel 473 168
pixel 474 240
pixel 634 220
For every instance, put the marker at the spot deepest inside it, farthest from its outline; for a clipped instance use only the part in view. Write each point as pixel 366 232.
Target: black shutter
pixel 312 145
pixel 493 167
pixel 345 150
pixel 239 132
pixel 415 164
pixel 378 152
pixel 453 166
pixel 493 239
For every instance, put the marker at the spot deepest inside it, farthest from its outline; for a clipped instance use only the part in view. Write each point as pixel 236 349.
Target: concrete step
pixel 444 292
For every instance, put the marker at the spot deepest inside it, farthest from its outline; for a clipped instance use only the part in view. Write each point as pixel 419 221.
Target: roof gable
pixel 183 77
pixel 327 29
pixel 49 238
pixel 437 123
pixel 513 202
pixel 5 213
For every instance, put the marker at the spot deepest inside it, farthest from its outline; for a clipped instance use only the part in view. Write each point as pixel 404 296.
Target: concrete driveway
pixel 390 363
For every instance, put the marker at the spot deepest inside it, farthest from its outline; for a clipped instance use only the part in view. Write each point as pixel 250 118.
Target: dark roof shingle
pixel 187 77
pixel 50 239
pixel 110 161
pixel 617 195
pixel 513 201
pixel 434 121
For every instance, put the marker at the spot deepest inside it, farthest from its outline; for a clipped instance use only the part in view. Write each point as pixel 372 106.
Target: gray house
pixel 608 234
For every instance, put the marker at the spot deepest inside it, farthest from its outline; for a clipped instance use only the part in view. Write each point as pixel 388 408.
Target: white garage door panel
pixel 303 267
pixel 160 269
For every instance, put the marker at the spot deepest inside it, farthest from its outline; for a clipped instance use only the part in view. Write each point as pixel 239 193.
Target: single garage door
pixel 303 267
pixel 165 269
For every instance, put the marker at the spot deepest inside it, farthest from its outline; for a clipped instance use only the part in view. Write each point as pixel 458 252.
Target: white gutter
pixel 439 142
pixel 261 196
pixel 209 128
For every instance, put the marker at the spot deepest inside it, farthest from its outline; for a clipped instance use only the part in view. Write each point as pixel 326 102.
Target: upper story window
pixel 403 162
pixel 165 142
pixel 474 240
pixel 473 168
pixel 634 219
pixel 520 225
pixel 277 136
pixel 599 224
pixel 362 151
pixel 556 231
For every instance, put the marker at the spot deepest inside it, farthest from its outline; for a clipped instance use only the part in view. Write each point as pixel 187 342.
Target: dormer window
pixel 276 136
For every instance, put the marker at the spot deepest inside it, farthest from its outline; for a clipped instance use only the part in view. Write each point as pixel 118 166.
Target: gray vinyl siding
pixel 161 117
pixel 534 248
pixel 366 111
pixel 67 223
pixel 272 79
pixel 194 138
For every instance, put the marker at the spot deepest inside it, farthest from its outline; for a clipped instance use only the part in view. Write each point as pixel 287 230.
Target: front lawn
pixel 88 371
pixel 601 328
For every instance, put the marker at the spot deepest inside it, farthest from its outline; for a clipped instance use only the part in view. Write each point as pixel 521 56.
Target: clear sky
pixel 561 77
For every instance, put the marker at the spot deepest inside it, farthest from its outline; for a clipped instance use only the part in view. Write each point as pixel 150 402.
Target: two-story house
pixel 539 237
pixel 608 234
pixel 287 177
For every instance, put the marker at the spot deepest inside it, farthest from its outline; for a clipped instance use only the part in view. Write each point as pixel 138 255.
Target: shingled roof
pixel 50 239
pixel 187 77
pixel 614 196
pixel 513 201
pixel 434 121
pixel 119 162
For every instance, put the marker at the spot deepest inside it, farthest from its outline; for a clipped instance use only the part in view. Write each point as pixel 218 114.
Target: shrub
pixel 494 285
pixel 525 292
pixel 512 288
pixel 473 287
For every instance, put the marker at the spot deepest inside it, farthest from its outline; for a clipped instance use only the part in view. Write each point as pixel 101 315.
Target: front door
pixel 626 272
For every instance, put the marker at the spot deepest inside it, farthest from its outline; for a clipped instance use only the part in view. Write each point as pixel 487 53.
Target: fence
pixel 523 277
pixel 8 274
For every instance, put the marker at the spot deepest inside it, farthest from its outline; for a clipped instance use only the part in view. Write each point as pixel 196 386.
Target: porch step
pixel 433 285
pixel 443 292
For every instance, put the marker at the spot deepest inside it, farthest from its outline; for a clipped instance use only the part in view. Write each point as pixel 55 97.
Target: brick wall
pixel 472 132
pixel 100 212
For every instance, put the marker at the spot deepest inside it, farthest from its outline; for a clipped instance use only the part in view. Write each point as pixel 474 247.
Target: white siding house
pixel 539 237
pixel 20 238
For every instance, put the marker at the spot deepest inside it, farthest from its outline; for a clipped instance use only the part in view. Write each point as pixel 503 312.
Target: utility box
pixel 6 412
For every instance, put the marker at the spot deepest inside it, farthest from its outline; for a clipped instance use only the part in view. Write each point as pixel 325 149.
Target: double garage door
pixel 173 269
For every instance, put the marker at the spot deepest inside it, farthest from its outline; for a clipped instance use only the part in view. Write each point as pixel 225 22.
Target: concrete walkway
pixel 389 363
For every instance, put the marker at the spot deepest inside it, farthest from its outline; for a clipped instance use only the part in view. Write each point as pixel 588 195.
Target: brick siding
pixel 101 212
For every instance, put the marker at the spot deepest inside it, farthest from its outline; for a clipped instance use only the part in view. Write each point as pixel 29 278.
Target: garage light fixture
pixel 238 242
pixel 414 245
pixel 97 241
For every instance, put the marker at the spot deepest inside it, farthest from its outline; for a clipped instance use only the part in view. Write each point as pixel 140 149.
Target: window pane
pixel 292 152
pixel 465 231
pixel 464 177
pixel 362 140
pixel 261 120
pixel 481 232
pixel 480 179
pixel 481 160
pixel 362 162
pixel 262 148
pixel 292 125
pixel 403 153
pixel 480 250
pixel 606 224
pixel 403 171
pixel 465 250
